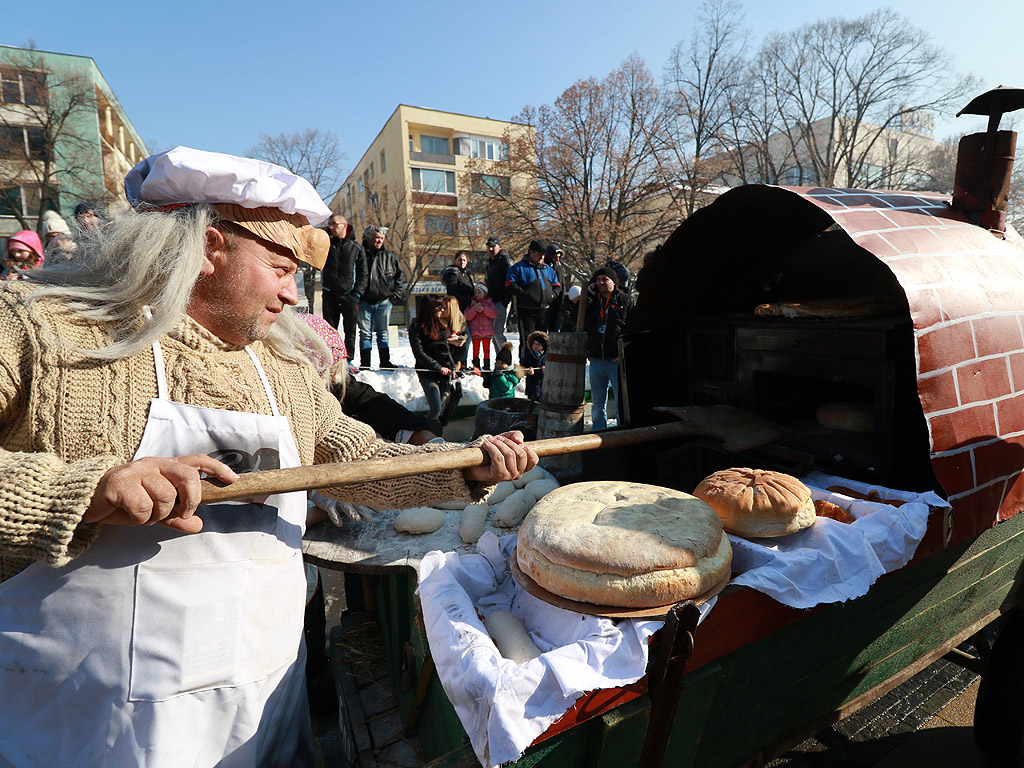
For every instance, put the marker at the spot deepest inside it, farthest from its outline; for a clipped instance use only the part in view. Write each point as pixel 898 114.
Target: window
pixel 359 186
pixel 477 224
pixel 27 200
pixel 488 149
pixel 486 184
pixel 18 86
pixel 383 163
pixel 372 173
pixel 23 141
pixel 434 224
pixel 434 145
pixel 366 178
pixel 427 180
pixel 410 142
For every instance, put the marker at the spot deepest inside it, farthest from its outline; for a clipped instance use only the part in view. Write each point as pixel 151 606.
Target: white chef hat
pixel 269 201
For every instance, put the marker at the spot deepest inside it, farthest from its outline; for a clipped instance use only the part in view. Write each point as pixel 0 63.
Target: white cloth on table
pixel 505 706
pixel 832 562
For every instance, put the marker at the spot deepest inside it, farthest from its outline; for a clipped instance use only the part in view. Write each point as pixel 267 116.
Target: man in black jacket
pixel 498 263
pixel 385 286
pixel 343 278
pixel 607 310
pixel 553 258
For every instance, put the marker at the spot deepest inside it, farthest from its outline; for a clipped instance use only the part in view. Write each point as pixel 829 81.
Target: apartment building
pixel 419 178
pixel 63 137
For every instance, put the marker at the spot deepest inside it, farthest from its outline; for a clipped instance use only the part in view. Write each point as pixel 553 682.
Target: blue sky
pixel 215 75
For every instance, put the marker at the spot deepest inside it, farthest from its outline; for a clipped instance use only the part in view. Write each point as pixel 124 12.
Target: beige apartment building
pixel 422 176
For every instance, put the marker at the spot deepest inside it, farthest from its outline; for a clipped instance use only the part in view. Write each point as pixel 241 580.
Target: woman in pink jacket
pixel 480 314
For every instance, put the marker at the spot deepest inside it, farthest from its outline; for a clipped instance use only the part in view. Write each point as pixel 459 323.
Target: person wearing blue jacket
pixel 534 285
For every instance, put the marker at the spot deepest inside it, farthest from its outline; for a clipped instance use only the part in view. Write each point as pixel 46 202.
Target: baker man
pixel 137 626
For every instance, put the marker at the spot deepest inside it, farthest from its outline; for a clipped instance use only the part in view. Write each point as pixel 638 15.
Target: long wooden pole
pixel 274 481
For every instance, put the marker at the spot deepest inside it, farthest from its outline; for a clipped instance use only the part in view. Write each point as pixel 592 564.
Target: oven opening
pixel 794 400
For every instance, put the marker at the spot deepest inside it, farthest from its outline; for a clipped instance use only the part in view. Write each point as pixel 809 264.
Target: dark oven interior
pixel 786 369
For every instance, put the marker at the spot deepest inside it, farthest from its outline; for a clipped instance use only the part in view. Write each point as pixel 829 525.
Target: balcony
pixel 434 198
pixel 430 157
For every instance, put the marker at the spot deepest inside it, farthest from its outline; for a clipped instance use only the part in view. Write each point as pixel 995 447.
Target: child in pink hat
pixel 480 315
pixel 24 251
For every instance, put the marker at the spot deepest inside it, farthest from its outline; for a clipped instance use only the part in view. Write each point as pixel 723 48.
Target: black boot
pixel 364 359
pixel 487 364
pixel 385 357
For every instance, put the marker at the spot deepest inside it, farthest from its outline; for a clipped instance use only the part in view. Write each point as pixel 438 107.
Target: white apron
pixel 157 648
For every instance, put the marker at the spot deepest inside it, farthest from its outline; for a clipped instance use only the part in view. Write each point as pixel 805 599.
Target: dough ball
pixel 541 488
pixel 474 520
pixel 512 510
pixel 501 492
pixel 511 638
pixel 419 520
pixel 537 473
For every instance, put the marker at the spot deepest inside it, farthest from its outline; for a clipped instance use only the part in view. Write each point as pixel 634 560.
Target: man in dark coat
pixel 385 286
pixel 343 278
pixel 498 263
pixel 607 310
pixel 534 286
pixel 553 258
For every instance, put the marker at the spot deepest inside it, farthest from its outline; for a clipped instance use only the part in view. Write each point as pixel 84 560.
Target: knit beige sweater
pixel 65 420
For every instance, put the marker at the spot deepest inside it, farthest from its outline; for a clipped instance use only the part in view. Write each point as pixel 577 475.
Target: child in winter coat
pixel 533 362
pixel 480 315
pixel 501 382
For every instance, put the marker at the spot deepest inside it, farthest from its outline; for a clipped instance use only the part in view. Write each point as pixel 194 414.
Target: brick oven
pixel 943 372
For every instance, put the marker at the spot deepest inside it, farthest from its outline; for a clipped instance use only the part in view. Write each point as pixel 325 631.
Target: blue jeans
pixel 603 373
pixel 373 318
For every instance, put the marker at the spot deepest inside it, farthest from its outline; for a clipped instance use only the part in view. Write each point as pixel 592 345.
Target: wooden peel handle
pixel 257 484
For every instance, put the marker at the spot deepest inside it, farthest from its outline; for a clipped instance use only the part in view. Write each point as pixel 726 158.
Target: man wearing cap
pixel 385 287
pixel 604 322
pixel 534 285
pixel 139 626
pixel 343 278
pixel 553 258
pixel 498 263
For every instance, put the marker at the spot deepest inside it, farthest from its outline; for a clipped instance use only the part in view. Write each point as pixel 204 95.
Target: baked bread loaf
pixel 757 502
pixel 832 511
pixel 839 307
pixel 623 544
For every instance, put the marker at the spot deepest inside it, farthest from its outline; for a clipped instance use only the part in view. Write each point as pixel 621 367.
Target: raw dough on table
pixel 512 510
pixel 419 520
pixel 474 520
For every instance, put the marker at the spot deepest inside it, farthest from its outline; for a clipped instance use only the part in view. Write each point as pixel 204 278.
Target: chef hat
pixel 269 201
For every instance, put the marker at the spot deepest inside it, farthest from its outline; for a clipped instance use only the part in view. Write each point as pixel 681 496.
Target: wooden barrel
pixel 503 414
pixel 560 410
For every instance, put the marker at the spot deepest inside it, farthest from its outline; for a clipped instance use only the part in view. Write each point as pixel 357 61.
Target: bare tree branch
pixel 311 153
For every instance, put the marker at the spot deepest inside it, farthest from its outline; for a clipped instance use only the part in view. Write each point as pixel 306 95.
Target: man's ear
pixel 216 245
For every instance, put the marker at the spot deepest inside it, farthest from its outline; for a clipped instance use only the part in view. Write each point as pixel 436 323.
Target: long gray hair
pixel 150 259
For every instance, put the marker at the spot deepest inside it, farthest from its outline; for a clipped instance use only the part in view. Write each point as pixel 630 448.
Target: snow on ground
pixel 402 385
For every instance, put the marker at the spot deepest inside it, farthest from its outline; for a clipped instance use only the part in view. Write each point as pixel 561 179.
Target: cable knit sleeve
pixel 42 497
pixel 345 439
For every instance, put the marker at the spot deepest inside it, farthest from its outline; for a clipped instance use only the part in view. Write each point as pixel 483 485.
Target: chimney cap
pixel 995 102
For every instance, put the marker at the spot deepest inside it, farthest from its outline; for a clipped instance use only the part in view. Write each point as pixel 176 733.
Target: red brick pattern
pixel 965 287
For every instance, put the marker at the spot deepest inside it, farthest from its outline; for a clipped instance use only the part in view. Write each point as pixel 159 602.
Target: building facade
pixel 419 178
pixel 63 137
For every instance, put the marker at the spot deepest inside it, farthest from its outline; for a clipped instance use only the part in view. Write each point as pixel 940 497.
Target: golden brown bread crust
pixel 758 502
pixel 623 544
pixel 839 307
pixel 832 511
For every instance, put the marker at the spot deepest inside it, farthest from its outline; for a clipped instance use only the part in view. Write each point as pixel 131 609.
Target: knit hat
pixel 86 206
pixel 551 250
pixel 27 239
pixel 574 292
pixel 505 354
pixel 607 272
pixel 480 287
pixel 53 224
pixel 493 241
pixel 325 331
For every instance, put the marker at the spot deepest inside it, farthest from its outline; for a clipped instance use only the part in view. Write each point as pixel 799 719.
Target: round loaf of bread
pixel 623 544
pixel 758 502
